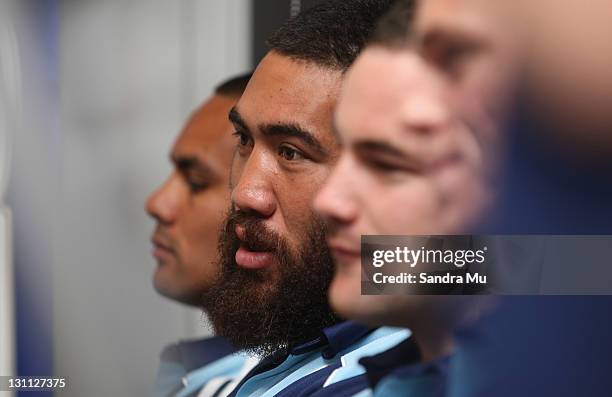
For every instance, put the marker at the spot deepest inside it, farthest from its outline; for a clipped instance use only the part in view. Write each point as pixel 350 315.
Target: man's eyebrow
pixel 386 149
pixel 280 129
pixel 295 131
pixel 186 163
pixel 381 147
pixel 236 119
pixel 441 35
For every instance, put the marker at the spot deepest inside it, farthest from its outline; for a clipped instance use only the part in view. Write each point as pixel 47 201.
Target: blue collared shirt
pixel 189 365
pixel 326 366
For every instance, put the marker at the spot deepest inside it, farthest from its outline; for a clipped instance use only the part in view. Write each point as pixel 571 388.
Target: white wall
pixel 130 73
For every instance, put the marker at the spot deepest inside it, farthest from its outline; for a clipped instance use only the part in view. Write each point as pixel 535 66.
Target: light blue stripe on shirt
pixel 377 344
pixel 227 367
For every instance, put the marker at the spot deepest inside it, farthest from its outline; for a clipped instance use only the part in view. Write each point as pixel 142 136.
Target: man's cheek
pixel 236 171
pixel 461 193
pixel 452 181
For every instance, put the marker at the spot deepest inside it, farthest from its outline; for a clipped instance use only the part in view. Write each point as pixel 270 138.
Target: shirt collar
pixel 334 339
pixel 192 354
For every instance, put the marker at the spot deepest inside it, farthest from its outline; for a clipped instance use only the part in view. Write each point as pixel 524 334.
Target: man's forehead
pixel 460 16
pixel 375 101
pixel 208 131
pixel 280 70
pixel 284 90
pixel 365 81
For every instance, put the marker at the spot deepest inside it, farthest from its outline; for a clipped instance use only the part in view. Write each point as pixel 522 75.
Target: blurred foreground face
pixel 409 166
pixel 474 51
pixel 568 65
pixel 420 129
pixel 276 268
pixel 564 49
pixel 190 207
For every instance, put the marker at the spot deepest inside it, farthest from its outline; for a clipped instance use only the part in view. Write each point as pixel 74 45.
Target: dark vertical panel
pixel 269 16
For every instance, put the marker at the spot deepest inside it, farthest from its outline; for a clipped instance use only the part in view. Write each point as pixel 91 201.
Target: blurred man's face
pixel 420 131
pixel 409 166
pixel 276 266
pixel 474 51
pixel 567 67
pixel 190 207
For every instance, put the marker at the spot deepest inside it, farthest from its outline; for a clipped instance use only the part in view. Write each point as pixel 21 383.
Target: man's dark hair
pixel 331 33
pixel 234 86
pixel 393 29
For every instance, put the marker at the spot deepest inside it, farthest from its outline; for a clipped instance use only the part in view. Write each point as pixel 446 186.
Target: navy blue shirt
pixel 325 366
pixel 542 345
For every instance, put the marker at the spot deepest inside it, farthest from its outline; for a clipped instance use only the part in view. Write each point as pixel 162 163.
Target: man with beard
pixel 189 211
pixel 271 298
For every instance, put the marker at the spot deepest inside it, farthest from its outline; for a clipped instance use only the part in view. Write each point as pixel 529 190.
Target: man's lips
pixel 253 259
pixel 161 250
pixel 249 258
pixel 343 252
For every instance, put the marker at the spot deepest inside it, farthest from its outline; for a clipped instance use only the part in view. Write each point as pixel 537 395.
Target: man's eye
pixel 449 58
pixel 243 139
pixel 382 166
pixel 290 153
pixel 197 186
pixel 245 143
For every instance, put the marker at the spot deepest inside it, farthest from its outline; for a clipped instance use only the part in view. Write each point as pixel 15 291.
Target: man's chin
pixel 345 295
pixel 349 268
pixel 171 288
pixel 354 306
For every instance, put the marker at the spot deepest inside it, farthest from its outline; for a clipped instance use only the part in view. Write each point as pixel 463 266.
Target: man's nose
pixel 254 192
pixel 163 205
pixel 425 106
pixel 425 114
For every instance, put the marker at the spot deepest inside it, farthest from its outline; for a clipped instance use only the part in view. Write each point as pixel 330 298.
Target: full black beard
pixel 268 310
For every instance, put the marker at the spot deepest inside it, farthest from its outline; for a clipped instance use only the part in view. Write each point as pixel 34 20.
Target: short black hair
pixel 393 29
pixel 331 33
pixel 234 86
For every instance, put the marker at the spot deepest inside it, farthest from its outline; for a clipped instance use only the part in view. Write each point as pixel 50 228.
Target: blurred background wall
pixel 131 72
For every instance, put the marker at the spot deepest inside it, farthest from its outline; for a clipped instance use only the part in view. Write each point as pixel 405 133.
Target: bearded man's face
pixel 275 266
